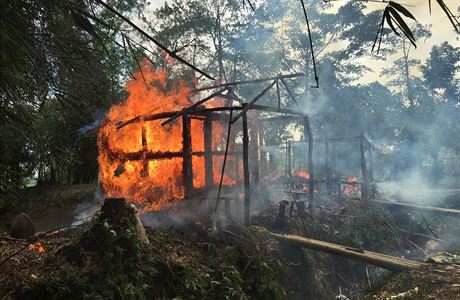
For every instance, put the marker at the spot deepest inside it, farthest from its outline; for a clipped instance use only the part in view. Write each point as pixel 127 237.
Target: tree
pixel 441 72
pixel 56 73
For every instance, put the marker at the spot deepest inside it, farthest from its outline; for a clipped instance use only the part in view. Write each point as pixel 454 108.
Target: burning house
pixel 159 147
pixel 162 145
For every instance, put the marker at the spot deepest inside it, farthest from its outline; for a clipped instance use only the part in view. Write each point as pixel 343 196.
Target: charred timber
pixel 286 76
pixel 205 111
pixel 193 106
pixel 209 176
pixel 247 191
pixel 328 168
pixel 253 101
pixel 282 118
pixel 187 170
pixel 365 186
pixel 308 133
pixel 373 258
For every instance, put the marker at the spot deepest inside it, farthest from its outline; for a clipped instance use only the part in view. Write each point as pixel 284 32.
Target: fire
pixel 351 189
pixel 304 174
pixel 124 169
pixel 36 246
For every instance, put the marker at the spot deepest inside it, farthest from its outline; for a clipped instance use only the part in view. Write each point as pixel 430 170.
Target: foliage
pixel 65 62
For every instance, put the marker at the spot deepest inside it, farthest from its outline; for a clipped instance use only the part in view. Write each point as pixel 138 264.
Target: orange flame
pixel 350 189
pixel 124 169
pixel 303 174
pixel 36 246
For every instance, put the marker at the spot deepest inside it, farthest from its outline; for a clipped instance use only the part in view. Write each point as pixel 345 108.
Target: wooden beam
pixel 187 171
pixel 288 160
pixel 278 94
pixel 308 134
pixel 255 154
pixel 198 111
pixel 193 106
pixel 247 191
pixel 254 100
pixel 145 168
pixel 365 185
pixel 241 82
pixel 328 168
pixel 209 176
pixel 373 258
pixel 139 155
pixel 282 118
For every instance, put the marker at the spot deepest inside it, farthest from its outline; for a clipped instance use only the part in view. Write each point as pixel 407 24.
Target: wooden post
pixel 145 168
pixel 328 168
pixel 187 156
pixel 371 173
pixel 289 162
pixel 334 164
pixel 365 184
pixel 247 196
pixel 255 154
pixel 209 176
pixel 308 133
pixel 278 95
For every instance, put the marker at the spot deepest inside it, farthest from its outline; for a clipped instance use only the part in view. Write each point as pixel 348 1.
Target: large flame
pixel 123 168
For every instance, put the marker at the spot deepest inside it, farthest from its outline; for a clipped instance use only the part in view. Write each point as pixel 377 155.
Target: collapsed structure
pixel 159 147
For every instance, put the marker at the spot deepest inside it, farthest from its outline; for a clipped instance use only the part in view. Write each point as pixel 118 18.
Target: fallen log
pixel 428 209
pixel 373 258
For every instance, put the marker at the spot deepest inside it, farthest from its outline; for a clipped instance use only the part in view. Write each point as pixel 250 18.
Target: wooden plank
pixel 373 258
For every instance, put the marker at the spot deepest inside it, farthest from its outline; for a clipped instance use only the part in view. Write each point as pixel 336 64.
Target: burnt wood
pixel 308 133
pixel 187 171
pixel 209 176
pixel 365 185
pixel 247 191
pixel 286 76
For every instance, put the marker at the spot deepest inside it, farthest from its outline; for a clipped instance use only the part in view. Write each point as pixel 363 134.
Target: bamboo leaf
pixel 402 25
pixel 402 10
pixel 450 15
pixel 390 23
pixel 82 22
pixel 379 31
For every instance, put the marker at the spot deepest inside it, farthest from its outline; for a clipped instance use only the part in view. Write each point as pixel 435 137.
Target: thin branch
pixel 161 46
pixel 311 44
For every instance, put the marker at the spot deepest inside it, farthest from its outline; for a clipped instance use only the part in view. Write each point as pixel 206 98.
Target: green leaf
pixel 402 10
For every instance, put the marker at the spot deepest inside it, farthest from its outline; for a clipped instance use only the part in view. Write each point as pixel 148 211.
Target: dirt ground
pixel 437 281
pixel 192 261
